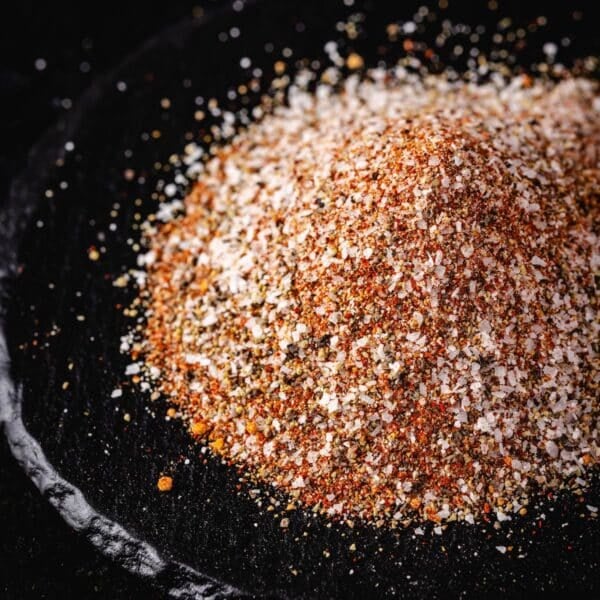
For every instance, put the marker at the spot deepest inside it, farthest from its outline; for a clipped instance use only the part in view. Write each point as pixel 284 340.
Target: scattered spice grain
pixel 165 483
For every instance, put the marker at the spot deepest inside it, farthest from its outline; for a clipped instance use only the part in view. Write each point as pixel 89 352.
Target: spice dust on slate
pixel 381 299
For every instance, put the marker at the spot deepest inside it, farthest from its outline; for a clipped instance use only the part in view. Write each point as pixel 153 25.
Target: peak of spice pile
pixel 383 299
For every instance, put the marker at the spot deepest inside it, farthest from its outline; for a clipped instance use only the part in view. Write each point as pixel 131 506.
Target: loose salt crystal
pixel 146 259
pixel 132 369
pixel 482 425
pixel 501 549
pixel 116 393
pixel 462 417
pixel 434 161
pixel 268 448
pixel 330 402
pixel 467 250
pixel 485 326
pixel 500 372
pixel 538 262
pixel 301 328
pixel 210 319
pixel 395 368
pixel 298 482
pixel 552 449
pixel 170 190
pixel 196 359
pixel 444 513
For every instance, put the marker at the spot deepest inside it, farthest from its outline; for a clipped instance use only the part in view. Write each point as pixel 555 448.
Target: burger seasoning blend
pixel 383 300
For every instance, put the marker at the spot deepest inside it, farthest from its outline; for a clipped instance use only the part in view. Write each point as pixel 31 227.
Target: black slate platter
pixel 89 183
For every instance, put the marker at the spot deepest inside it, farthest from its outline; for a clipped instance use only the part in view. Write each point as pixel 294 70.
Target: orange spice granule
pixel 164 483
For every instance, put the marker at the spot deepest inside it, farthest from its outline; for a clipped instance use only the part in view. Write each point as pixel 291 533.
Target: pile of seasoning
pixel 382 299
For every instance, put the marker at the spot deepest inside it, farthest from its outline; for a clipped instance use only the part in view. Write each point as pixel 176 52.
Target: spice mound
pixel 382 299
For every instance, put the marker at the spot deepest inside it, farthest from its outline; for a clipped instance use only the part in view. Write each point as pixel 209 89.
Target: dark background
pixel 40 557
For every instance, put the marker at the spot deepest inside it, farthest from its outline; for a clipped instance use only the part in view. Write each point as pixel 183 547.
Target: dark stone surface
pixel 40 556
